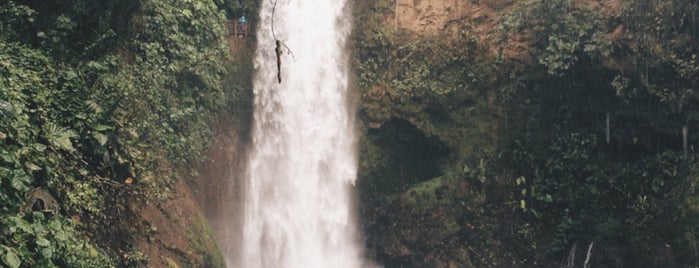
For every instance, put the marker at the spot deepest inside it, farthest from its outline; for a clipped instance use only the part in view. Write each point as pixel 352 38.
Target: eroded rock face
pixel 478 20
pixel 174 233
pixel 438 17
pixel 429 16
pixel 218 191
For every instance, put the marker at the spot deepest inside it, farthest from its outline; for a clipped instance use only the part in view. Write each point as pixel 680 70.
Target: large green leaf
pixel 39 147
pixel 101 138
pixel 42 241
pixel 60 137
pixel 47 252
pixel 31 166
pixel 102 127
pixel 60 235
pixel 64 142
pixel 11 259
pixel 20 181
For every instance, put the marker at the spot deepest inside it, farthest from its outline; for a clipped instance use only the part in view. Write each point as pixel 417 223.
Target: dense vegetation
pixel 476 157
pixel 102 104
pixel 470 156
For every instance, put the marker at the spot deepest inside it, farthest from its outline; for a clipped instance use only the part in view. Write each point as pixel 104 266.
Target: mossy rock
pixel 423 225
pixel 443 190
pixel 171 263
pixel 201 237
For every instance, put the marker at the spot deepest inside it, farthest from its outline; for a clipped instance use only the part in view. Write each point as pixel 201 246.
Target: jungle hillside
pixel 534 133
pixel 106 109
pixel 493 133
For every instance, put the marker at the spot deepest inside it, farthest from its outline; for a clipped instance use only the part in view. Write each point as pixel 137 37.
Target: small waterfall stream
pixel 302 163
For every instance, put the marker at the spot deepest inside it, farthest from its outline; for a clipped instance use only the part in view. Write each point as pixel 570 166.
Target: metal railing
pixel 236 28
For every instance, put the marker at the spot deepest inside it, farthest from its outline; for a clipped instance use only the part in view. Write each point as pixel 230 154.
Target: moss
pixel 201 237
pixel 393 158
pixel 430 225
pixel 436 191
pixel 171 263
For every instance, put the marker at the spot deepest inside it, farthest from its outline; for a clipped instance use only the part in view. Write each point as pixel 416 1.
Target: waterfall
pixel 302 163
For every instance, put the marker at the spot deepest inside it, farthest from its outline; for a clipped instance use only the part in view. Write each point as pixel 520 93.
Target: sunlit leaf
pixel 101 138
pixel 20 182
pixel 60 137
pixel 47 252
pixel 39 147
pixel 102 127
pixel 60 235
pixel 64 143
pixel 42 241
pixel 11 259
pixel 32 166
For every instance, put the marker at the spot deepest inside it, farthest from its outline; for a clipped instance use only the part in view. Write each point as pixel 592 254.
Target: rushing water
pixel 302 165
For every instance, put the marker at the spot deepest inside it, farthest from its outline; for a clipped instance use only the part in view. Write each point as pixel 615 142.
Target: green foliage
pixel 418 68
pixel 16 19
pixel 374 40
pixel 663 37
pixel 36 150
pixel 578 183
pixel 559 32
pixel 437 191
pixel 430 224
pixel 237 8
pixel 588 189
pixel 437 85
pixel 69 29
pixel 172 88
pixel 557 180
pixel 93 93
pixel 32 240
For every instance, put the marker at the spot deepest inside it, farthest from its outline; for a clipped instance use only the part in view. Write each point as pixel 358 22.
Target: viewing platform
pixel 236 28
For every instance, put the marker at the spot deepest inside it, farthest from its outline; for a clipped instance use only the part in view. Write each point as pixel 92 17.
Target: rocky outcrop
pixel 478 20
pixel 217 189
pixel 433 17
pixel 174 233
pixel 444 16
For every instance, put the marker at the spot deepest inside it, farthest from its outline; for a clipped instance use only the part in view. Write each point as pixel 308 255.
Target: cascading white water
pixel 302 163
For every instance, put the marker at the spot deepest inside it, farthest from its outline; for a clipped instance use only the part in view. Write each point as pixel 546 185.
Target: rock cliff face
pixel 217 189
pixel 478 19
pixel 450 17
pixel 433 76
pixel 438 17
pixel 429 16
pixel 198 225
pixel 174 233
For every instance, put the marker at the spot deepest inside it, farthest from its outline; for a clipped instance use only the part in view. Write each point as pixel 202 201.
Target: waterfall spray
pixel 302 164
